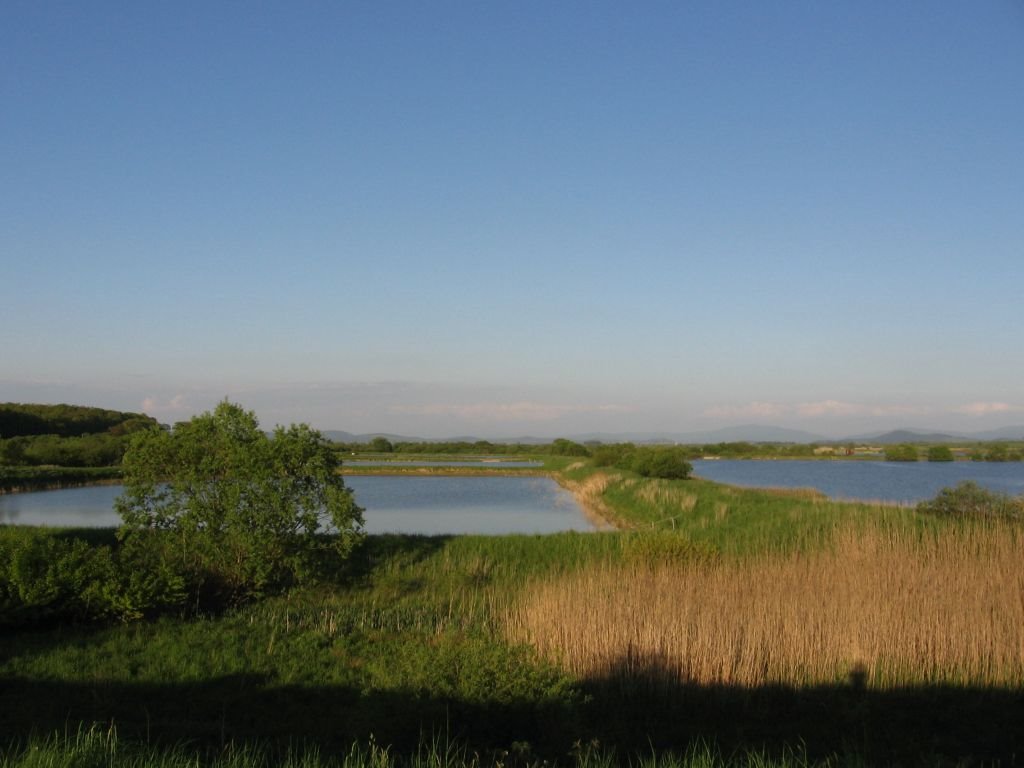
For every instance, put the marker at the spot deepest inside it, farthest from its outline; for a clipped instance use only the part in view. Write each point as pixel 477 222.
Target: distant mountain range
pixel 923 436
pixel 753 433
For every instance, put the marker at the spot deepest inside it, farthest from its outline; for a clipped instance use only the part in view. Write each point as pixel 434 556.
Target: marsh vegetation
pixel 717 626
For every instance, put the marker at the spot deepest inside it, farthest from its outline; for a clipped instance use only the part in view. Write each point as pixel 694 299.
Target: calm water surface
pixel 429 505
pixel 872 480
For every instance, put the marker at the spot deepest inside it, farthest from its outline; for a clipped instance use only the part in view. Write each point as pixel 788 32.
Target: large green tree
pixel 235 511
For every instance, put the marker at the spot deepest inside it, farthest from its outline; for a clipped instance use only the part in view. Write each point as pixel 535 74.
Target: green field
pixel 466 650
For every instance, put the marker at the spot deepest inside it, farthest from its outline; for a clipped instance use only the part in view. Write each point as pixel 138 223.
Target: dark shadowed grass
pixel 102 748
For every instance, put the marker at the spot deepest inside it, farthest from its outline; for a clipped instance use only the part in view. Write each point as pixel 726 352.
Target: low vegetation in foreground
pixel 718 626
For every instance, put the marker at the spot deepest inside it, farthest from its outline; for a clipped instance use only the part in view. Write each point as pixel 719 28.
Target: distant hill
pixel 1005 433
pixel 907 436
pixel 340 436
pixel 751 433
pixel 922 436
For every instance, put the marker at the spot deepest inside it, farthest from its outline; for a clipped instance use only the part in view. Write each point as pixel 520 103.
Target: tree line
pixel 381 444
pixel 30 419
pixel 66 435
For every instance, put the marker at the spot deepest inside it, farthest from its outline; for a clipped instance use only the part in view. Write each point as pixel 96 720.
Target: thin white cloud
pixel 176 405
pixel 518 411
pixel 755 410
pixel 830 408
pixel 841 408
pixel 986 409
pixel 810 410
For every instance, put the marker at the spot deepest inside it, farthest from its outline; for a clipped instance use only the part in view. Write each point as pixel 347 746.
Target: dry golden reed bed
pixel 887 608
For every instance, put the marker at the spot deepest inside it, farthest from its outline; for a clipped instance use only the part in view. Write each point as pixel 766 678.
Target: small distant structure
pixel 867 450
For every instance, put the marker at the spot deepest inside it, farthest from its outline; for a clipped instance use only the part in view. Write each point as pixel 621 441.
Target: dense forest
pixel 66 435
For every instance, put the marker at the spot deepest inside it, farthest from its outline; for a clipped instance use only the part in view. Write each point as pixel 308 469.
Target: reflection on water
pixel 488 505
pixel 88 506
pixel 428 505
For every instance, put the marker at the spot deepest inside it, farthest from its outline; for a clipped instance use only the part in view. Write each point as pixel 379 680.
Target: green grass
pixel 410 644
pixel 736 520
pixel 411 641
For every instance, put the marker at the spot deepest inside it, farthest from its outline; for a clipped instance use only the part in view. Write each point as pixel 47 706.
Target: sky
pixel 506 219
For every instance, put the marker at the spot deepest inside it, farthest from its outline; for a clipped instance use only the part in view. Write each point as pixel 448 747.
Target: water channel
pixel 427 505
pixel 498 505
pixel 889 481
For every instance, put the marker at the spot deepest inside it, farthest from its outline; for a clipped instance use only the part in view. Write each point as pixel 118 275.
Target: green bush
pixel 1001 452
pixel 968 499
pixel 51 576
pixel 940 453
pixel 904 452
pixel 610 455
pixel 668 463
pixel 563 447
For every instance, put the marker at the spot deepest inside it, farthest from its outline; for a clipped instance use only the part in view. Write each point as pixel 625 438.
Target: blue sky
pixel 516 218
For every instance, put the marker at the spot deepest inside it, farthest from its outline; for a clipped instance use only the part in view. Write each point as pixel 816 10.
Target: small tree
pixel 233 510
pixel 381 445
pixel 968 499
pixel 902 452
pixel 997 452
pixel 610 455
pixel 940 453
pixel 563 447
pixel 668 463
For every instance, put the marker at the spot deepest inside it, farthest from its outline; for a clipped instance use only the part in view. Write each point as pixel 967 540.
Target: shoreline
pixel 56 485
pixel 588 496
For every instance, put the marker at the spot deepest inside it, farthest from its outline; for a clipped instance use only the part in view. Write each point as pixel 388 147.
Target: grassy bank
pixel 730 519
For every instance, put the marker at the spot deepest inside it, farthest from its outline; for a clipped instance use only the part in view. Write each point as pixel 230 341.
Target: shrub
pixel 668 463
pixel 610 455
pixel 904 452
pixel 51 576
pixel 563 447
pixel 940 453
pixel 968 499
pixel 997 452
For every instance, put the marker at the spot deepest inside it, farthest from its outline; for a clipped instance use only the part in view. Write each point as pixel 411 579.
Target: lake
pixel 427 505
pixel 891 481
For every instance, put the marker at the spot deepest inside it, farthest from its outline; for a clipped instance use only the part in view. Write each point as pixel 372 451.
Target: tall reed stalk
pixel 884 608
